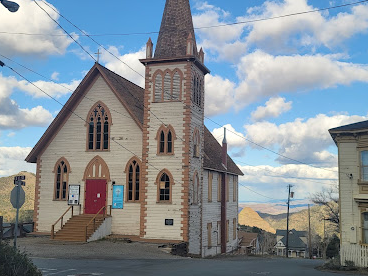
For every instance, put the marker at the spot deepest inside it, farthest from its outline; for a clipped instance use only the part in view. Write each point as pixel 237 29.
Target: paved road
pixel 230 266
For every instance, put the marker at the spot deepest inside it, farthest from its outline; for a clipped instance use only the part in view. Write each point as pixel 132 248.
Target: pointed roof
pixel 129 94
pixel 175 28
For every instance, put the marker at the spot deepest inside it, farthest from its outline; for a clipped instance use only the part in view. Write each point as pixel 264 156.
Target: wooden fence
pixel 356 253
pixel 7 230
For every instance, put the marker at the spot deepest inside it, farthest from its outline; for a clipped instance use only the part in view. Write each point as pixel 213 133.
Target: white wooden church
pixel 139 162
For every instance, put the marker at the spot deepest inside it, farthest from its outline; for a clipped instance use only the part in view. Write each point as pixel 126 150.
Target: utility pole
pixel 287 223
pixel 309 235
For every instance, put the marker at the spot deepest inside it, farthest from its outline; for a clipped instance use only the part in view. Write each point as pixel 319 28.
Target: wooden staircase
pixel 80 228
pixel 75 228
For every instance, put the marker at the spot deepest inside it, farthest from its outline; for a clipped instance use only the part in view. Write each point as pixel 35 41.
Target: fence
pixel 356 253
pixel 7 229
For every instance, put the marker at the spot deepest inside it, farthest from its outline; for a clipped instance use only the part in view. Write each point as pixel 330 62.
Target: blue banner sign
pixel 118 196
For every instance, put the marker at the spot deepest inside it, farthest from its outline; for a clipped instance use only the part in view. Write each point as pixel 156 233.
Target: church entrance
pixel 96 177
pixel 95 195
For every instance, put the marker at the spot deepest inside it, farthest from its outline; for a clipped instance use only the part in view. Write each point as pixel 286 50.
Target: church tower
pixel 173 131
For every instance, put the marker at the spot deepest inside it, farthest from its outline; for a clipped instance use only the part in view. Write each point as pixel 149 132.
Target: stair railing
pixel 93 220
pixel 61 219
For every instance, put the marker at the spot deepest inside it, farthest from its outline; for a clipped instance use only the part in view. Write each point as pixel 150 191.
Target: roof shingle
pixel 175 28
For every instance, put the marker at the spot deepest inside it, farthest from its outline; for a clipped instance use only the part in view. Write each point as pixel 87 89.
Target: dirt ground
pixel 43 247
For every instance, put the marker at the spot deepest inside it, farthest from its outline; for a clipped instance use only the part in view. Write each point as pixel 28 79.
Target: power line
pixel 263 147
pixel 241 184
pixel 204 27
pixel 66 31
pixel 170 95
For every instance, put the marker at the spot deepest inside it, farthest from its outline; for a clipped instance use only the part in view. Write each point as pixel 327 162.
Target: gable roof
pixel 247 239
pixel 351 127
pixel 299 233
pixel 176 25
pixel 132 98
pixel 212 156
pixel 123 89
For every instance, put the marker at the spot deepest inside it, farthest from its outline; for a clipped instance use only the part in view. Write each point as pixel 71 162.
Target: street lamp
pixel 11 6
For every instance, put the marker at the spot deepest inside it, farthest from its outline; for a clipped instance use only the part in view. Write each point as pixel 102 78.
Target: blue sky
pixel 279 83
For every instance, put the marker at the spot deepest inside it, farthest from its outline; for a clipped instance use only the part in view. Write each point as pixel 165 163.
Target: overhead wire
pixel 205 27
pixel 248 140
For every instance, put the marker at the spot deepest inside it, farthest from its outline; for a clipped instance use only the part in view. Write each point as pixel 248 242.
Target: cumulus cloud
pixel 303 140
pixel 234 139
pixel 225 41
pixel 272 181
pixel 14 117
pixel 12 160
pixel 136 70
pixel 313 29
pixel 219 95
pixel 265 75
pixel 31 19
pixel 9 84
pixel 274 108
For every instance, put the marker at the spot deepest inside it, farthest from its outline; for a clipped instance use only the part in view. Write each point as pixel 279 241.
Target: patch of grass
pixel 15 263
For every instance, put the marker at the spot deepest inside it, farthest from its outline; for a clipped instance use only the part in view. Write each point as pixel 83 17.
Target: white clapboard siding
pixel 70 142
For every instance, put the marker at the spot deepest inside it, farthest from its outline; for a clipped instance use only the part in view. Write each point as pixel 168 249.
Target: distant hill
pixel 274 217
pixel 299 221
pixel 6 209
pixel 249 217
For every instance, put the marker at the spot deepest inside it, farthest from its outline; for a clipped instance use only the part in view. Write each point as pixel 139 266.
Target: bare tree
pixel 329 199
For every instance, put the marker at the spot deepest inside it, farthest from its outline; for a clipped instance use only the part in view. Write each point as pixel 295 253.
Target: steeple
pixel 176 27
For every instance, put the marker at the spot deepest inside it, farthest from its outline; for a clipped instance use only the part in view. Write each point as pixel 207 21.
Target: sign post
pixel 17 199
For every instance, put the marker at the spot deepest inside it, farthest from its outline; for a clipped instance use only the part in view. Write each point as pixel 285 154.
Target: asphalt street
pixel 180 267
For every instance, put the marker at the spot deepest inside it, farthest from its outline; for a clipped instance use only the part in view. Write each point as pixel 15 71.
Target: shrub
pixel 15 263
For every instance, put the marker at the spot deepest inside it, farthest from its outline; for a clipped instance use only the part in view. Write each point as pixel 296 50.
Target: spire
pixel 176 26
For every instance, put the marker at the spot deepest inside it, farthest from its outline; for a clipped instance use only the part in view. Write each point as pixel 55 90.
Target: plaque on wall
pixel 73 194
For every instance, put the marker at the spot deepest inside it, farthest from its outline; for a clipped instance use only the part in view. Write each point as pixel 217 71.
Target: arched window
pixel 195 188
pixel 165 140
pixel 167 87
pixel 98 132
pixel 133 172
pixel 196 143
pixel 164 183
pixel 176 86
pixel 158 88
pixel 61 170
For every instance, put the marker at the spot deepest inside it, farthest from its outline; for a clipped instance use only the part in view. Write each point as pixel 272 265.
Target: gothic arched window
pixel 196 143
pixel 98 131
pixel 61 170
pixel 133 174
pixel 165 140
pixel 164 183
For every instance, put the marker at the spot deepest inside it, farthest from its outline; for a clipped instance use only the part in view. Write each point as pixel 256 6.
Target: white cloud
pixel 265 75
pixel 302 30
pixel 303 140
pixel 225 41
pixel 219 96
pixel 12 160
pixel 234 139
pixel 274 108
pixel 9 84
pixel 31 19
pixel 55 76
pixel 136 71
pixel 15 117
pixel 272 181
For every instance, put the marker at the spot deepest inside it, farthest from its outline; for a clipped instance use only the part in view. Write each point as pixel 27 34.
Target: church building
pixel 139 162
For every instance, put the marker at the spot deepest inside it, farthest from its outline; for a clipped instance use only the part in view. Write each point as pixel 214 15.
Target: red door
pixel 95 195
